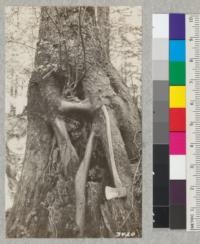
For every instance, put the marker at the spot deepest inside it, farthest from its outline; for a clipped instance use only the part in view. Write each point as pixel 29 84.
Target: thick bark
pixel 31 191
pixel 128 117
pixel 46 203
pixel 95 225
pixel 104 28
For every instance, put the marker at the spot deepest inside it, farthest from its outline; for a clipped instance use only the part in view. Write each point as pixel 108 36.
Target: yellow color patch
pixel 177 97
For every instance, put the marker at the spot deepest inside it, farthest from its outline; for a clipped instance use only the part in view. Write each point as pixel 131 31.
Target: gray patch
pixel 160 90
pixel 161 133
pixel 160 70
pixel 160 49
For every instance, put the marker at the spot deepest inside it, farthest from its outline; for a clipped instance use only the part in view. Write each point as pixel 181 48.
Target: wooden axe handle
pixel 114 172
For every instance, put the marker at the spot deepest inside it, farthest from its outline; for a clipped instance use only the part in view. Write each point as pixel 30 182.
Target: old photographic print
pixel 73 122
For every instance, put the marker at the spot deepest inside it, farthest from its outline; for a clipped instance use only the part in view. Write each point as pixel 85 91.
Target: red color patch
pixel 177 119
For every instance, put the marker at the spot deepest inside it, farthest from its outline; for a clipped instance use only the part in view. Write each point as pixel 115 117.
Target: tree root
pixel 67 150
pixel 80 184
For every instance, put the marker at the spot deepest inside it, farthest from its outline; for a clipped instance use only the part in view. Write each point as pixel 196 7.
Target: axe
pixel 119 191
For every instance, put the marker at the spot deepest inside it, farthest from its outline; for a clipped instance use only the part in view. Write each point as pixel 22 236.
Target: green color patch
pixel 177 73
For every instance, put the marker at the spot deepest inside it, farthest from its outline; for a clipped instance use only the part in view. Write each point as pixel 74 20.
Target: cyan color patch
pixel 177 50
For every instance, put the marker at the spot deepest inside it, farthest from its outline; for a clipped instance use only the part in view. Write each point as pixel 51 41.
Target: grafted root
pixel 81 106
pixel 67 151
pixel 80 184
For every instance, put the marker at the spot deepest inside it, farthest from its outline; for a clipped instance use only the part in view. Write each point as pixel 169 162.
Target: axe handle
pixel 113 167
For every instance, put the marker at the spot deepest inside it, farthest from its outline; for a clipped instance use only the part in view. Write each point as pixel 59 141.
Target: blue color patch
pixel 177 50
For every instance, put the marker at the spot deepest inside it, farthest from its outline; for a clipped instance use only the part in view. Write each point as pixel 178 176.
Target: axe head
pixel 111 192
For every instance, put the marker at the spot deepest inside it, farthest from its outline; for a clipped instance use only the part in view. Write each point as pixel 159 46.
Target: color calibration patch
pixel 176 121
pixel 160 120
pixel 177 129
pixel 169 121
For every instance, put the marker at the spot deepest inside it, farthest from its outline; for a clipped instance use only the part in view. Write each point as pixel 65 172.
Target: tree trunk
pixel 45 202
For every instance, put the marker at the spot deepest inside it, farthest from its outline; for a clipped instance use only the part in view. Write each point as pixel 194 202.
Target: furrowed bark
pixel 95 226
pixel 129 121
pixel 31 190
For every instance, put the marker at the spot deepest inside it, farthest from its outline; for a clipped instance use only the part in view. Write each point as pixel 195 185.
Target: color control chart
pixel 176 121
pixel 160 76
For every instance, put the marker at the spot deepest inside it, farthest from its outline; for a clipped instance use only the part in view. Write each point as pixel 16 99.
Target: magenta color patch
pixel 177 144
